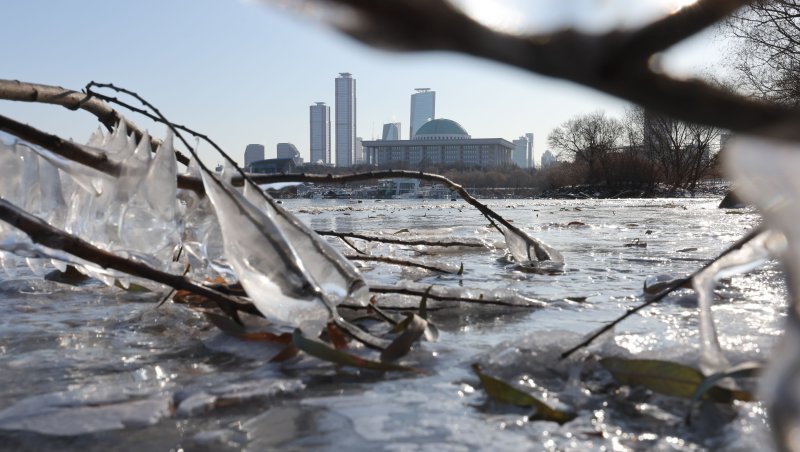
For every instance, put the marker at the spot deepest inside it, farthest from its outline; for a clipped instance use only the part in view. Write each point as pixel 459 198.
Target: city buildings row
pixel 432 140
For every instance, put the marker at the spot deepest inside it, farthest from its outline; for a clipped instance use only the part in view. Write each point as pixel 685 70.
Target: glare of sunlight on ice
pixel 765 172
pixel 493 14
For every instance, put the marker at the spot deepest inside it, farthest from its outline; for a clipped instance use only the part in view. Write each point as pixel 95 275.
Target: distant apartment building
pixel 320 127
pixel 391 131
pixel 252 153
pixel 520 153
pixel 423 109
pixel 440 142
pixel 548 159
pixel 345 119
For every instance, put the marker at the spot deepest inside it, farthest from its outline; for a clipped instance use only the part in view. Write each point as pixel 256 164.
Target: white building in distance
pixel 320 128
pixel 288 151
pixel 252 153
pixel 531 158
pixel 520 153
pixel 345 119
pixel 423 109
pixel 548 159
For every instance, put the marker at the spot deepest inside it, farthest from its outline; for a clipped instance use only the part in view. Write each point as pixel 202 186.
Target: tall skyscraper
pixel 520 153
pixel 252 153
pixel 423 109
pixel 391 131
pixel 531 160
pixel 320 133
pixel 345 119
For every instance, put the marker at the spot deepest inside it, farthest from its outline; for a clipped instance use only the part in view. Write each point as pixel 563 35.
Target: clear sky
pixel 246 72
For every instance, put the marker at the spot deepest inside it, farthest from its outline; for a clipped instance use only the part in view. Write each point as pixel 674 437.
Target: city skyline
pixel 219 78
pixel 320 133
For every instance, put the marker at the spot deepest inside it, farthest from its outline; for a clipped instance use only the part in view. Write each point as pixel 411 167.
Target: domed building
pixel 440 142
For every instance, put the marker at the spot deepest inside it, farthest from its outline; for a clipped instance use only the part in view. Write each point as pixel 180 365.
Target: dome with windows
pixel 438 129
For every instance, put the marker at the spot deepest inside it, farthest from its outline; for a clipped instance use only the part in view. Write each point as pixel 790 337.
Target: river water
pixel 96 368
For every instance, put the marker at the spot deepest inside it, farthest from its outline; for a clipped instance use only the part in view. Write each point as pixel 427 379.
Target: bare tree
pixel 768 56
pixel 682 152
pixel 588 139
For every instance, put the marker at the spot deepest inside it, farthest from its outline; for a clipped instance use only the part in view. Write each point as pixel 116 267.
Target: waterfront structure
pixel 440 142
pixel 320 127
pixel 391 131
pixel 520 154
pixel 345 119
pixel 423 109
pixel 272 166
pixel 252 153
pixel 531 160
pixel 548 159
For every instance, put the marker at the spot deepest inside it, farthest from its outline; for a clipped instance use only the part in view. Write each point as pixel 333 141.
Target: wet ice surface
pixel 99 368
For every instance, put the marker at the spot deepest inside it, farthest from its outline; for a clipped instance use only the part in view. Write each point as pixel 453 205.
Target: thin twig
pixel 16 90
pixel 436 296
pixel 663 294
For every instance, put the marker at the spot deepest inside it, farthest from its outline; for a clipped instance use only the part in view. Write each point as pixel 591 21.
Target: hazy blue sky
pixel 246 72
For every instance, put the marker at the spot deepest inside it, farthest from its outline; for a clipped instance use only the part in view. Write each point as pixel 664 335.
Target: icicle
pixel 765 172
pixel 268 268
pixel 97 138
pixel 530 251
pixel 161 186
pixel 9 264
pixel 330 270
pixel 748 257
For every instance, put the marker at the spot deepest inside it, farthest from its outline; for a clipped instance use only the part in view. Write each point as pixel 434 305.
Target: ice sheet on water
pixel 269 269
pixel 90 409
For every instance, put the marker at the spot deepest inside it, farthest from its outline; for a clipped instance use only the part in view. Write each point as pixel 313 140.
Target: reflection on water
pixel 92 354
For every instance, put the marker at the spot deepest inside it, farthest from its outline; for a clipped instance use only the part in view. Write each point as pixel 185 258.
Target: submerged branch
pixel 519 302
pixel 402 263
pixel 663 294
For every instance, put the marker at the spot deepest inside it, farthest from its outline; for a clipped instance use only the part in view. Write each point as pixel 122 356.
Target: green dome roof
pixel 438 127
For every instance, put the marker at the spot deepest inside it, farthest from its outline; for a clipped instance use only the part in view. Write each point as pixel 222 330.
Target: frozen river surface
pixel 98 368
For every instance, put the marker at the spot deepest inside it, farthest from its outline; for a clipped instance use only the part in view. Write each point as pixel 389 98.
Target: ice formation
pixel 766 175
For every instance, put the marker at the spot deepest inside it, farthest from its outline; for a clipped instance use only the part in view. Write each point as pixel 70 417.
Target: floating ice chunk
pixel 336 275
pixel 271 272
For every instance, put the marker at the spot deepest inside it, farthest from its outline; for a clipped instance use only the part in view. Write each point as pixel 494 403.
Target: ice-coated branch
pixel 459 294
pixel 43 234
pixel 663 294
pixel 400 241
pixel 16 90
pixel 71 151
pixel 617 63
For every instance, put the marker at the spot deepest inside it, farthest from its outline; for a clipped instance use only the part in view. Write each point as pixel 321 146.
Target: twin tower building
pixel 347 147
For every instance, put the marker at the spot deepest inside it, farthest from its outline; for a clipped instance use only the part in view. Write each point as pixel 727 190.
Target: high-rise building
pixel 531 161
pixel 345 119
pixel 252 153
pixel 287 151
pixel 391 131
pixel 520 153
pixel 320 115
pixel 423 109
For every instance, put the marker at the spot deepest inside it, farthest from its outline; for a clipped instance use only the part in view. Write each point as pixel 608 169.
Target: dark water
pixel 99 368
